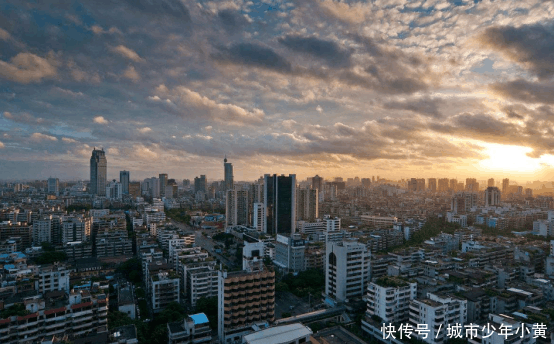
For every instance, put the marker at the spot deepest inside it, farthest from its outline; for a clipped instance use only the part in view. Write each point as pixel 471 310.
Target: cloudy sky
pixel 391 88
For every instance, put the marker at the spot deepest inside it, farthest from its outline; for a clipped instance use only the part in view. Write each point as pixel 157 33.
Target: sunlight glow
pixel 510 159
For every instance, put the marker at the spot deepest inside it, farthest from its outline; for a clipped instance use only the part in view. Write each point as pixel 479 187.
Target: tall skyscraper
pixel 98 172
pixel 317 183
pixel 236 208
pixel 200 183
pixel 124 178
pixel 228 167
pixel 307 205
pixel 505 185
pixel 163 183
pixel 54 186
pixel 280 204
pixel 492 196
pixel 443 184
pixel 490 182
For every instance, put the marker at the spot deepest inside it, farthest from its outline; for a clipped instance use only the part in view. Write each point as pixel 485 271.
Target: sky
pixel 392 88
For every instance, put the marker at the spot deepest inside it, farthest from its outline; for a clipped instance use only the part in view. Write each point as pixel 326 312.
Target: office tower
pixel 98 172
pixel 443 184
pixel 134 189
pixel 200 184
pixel 490 182
pixel 529 192
pixel 124 179
pixel 453 185
pixel 114 190
pixel 186 183
pixel 228 180
pixel 151 186
pixel 317 183
pixel 280 204
pixel 289 252
pixel 492 196
pixel 347 270
pixel 258 217
pixel 163 183
pixel 236 208
pixel 54 186
pixel 366 182
pixel 244 298
pixel 505 186
pixel 307 203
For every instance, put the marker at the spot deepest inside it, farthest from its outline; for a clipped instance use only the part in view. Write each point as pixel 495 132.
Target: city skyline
pixel 399 89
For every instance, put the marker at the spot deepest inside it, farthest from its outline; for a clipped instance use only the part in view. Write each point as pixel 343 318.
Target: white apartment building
pixel 163 285
pixel 389 299
pixel 42 230
pixel 52 277
pixel 153 216
pixel 484 336
pixel 437 312
pixel 347 270
pixel 76 229
pixel 378 221
pixel 258 217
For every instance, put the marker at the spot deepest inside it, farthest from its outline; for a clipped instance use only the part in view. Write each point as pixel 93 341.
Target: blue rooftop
pixel 199 318
pixel 9 266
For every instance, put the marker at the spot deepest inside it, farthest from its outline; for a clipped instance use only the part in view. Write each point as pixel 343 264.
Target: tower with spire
pixel 228 170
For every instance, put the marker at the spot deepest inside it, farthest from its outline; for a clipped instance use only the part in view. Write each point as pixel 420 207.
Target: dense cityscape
pixel 167 261
pixel 277 172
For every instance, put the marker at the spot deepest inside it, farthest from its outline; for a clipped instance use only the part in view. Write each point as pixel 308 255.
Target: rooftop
pixel 199 318
pixel 278 335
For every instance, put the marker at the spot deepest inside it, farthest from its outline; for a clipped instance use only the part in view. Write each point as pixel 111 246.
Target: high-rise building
pixel 366 182
pixel 529 192
pixel 244 298
pixel 453 185
pixel 200 184
pixel 114 190
pixel 228 169
pixel 490 182
pixel 412 185
pixel 280 204
pixel 42 230
pixel 462 202
pixel 124 179
pixel 289 252
pixel 76 229
pixel 389 299
pixel 505 186
pixel 54 186
pixel 347 270
pixel 443 184
pixel 472 185
pixel 307 203
pixel 98 172
pixel 134 189
pixel 432 182
pixel 317 183
pixel 163 183
pixel 258 217
pixel 236 208
pixel 492 196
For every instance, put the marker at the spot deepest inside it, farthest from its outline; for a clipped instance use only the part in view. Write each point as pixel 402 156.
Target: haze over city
pixel 391 88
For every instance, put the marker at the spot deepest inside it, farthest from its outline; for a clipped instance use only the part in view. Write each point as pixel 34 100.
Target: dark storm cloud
pixel 328 51
pixel 254 55
pixel 526 91
pixel 531 46
pixel 426 107
pixel 232 20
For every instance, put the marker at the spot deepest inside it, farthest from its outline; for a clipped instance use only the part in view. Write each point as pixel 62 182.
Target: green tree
pixel 208 306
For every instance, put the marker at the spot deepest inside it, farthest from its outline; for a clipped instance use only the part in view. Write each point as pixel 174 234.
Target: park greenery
pixel 155 331
pixel 311 281
pixel 49 255
pixel 208 306
pixel 179 215
pixel 131 269
pixel 16 309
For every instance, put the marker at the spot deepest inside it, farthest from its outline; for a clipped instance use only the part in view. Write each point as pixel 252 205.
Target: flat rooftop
pixel 278 335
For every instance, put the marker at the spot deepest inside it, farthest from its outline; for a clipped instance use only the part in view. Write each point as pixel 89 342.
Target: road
pixel 204 242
